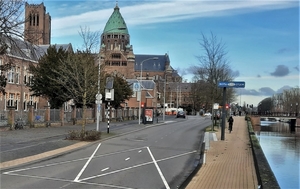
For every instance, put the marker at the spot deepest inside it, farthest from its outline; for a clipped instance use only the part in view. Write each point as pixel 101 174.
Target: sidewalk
pixel 228 163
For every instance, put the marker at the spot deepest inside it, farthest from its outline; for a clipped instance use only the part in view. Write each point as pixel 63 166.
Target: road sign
pixel 109 82
pixel 232 84
pixel 98 96
pixel 136 87
pixel 216 106
pixel 109 94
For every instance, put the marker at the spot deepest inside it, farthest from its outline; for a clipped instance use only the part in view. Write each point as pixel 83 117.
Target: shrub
pixel 83 136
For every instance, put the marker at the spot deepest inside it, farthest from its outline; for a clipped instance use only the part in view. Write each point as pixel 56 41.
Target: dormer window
pixel 27 52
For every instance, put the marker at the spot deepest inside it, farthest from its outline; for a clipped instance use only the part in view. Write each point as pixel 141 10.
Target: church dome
pixel 116 23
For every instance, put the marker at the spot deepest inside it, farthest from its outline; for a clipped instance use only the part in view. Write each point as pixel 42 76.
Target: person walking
pixel 230 121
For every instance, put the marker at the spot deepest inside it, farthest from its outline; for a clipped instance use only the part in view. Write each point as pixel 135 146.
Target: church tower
pixel 37 24
pixel 115 51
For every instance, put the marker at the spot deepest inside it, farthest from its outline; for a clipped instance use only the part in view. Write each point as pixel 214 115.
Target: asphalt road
pixel 160 156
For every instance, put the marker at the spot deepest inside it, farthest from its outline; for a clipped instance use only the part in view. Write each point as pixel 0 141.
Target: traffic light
pixel 227 106
pixel 142 104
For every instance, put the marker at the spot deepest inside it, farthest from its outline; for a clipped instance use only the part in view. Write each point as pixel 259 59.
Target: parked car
pixel 180 114
pixel 208 114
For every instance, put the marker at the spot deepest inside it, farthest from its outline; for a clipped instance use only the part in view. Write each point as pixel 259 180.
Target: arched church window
pixel 33 20
pixel 37 19
pixel 30 19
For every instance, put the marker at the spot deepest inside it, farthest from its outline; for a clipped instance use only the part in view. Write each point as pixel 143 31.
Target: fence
pixel 47 116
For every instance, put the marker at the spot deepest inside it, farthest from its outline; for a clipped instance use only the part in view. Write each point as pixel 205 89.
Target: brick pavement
pixel 228 163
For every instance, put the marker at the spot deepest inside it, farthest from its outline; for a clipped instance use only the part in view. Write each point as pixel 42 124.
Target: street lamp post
pixel 98 98
pixel 152 58
pixel 296 109
pixel 164 99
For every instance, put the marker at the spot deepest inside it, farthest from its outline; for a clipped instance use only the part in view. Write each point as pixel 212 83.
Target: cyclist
pixel 230 121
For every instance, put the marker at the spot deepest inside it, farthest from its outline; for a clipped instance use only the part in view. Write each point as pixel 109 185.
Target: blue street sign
pixel 136 87
pixel 232 84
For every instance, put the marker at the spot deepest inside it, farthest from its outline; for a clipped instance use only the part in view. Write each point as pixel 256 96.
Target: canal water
pixel 281 147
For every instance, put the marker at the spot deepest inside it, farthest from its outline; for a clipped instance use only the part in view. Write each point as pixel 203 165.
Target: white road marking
pixel 70 161
pixel 169 121
pixel 69 181
pixel 105 169
pixel 116 171
pixel 158 169
pixel 127 159
pixel 86 164
pixel 112 172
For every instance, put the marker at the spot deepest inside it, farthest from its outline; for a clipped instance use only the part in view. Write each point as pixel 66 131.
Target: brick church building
pixel 118 56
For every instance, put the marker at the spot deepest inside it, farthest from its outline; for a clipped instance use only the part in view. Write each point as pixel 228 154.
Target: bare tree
pixel 213 67
pixel 11 22
pixel 91 40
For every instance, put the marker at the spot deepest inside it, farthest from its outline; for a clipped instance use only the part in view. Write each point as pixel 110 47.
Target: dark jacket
pixel 230 120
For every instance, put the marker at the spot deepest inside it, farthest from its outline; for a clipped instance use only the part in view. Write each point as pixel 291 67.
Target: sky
pixel 261 36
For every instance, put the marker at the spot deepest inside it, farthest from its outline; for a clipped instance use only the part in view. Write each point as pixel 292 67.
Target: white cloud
pixel 158 12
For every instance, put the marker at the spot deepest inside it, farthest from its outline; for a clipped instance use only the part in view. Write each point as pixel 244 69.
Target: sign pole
pixel 223 115
pixel 224 84
pixel 108 110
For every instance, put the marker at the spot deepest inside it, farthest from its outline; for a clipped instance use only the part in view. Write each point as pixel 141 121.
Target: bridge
pixel 293 117
pixel 289 115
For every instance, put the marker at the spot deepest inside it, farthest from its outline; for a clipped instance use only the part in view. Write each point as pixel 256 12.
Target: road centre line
pixel 158 169
pixel 105 169
pixel 127 159
pixel 87 163
pixel 116 171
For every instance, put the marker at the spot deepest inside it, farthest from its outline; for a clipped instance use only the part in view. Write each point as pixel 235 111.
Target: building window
pixel 107 63
pixel 124 63
pixel 115 63
pixel 32 102
pixel 116 56
pixel 17 75
pixel 10 101
pixel 30 20
pixel 30 79
pixel 37 20
pixel 24 105
pixel 11 75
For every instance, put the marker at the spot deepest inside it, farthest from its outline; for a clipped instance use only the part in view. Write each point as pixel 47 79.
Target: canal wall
pixel 265 175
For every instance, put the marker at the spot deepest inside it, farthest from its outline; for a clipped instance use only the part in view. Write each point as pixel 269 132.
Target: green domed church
pixel 118 56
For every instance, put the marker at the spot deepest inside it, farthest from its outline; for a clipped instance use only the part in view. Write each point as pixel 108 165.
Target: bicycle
pixel 19 124
pixel 230 127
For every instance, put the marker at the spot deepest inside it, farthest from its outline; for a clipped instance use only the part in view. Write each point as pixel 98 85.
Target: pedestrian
pixel 230 121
